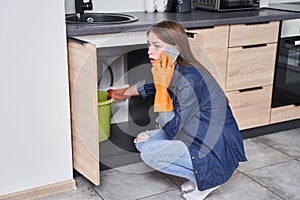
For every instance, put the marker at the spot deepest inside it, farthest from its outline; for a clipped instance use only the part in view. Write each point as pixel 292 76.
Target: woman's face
pixel 155 47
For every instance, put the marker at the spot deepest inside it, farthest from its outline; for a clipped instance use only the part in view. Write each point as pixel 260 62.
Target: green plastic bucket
pixel 104 115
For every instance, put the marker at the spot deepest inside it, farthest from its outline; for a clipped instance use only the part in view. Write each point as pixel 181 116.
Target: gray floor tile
pixel 178 181
pixel 137 168
pixel 170 195
pixel 272 172
pixel 283 179
pixel 242 187
pixel 84 190
pixel 286 142
pixel 260 155
pixel 132 184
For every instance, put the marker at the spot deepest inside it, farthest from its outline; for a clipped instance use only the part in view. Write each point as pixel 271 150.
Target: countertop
pixel 196 19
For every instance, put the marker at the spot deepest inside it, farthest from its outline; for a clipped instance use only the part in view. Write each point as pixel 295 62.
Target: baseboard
pixel 272 128
pixel 41 191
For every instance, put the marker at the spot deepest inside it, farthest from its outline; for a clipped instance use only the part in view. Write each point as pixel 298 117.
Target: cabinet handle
pixel 254 23
pixel 204 27
pixel 190 34
pixel 251 89
pixel 207 27
pixel 254 46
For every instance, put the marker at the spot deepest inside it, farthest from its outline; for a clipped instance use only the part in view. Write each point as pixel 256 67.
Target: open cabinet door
pixel 83 93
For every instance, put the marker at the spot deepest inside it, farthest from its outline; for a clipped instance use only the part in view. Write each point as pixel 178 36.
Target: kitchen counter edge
pixel 195 19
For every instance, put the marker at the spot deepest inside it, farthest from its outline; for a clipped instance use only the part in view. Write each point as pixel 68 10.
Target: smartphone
pixel 173 52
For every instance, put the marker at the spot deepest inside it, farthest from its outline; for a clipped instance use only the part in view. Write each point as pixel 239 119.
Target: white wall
pixel 35 143
pixel 110 5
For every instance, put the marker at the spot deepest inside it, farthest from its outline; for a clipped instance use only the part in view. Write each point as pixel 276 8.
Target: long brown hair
pixel 174 34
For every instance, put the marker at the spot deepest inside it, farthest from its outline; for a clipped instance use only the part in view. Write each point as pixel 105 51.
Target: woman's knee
pixel 147 153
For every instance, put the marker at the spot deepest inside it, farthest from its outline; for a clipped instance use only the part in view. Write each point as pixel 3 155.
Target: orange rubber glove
pixel 118 94
pixel 162 76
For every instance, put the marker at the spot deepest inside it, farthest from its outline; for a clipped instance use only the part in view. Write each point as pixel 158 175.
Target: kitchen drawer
pixel 249 34
pixel 250 67
pixel 251 108
pixel 285 113
pixel 214 42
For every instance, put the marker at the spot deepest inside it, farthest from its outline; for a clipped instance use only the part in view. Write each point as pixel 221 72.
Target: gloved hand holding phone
pixel 162 72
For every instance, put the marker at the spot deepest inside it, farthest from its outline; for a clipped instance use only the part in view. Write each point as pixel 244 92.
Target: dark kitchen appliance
pixel 179 6
pixel 287 70
pixel 223 5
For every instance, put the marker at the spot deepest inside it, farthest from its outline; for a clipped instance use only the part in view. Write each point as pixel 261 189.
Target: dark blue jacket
pixel 203 120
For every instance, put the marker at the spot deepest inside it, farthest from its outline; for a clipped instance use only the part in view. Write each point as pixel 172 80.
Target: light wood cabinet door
pixel 250 72
pixel 251 34
pixel 214 42
pixel 284 113
pixel 250 67
pixel 251 108
pixel 84 110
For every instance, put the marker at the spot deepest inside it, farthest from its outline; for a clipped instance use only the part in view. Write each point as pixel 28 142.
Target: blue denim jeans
pixel 166 155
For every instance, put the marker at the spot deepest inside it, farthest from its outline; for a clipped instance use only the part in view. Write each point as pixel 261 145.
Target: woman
pixel 199 139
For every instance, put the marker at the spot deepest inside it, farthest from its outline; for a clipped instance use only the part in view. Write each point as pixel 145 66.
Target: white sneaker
pixel 198 195
pixel 188 186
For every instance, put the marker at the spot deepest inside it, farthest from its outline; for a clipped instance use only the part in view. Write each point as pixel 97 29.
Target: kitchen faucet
pixel 81 6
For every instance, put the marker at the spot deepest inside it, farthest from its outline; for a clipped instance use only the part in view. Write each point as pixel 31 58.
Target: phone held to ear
pixel 173 52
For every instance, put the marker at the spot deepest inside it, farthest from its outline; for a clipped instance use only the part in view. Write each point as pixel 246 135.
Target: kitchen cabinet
pixel 244 56
pixel 211 49
pixel 251 108
pixel 84 110
pixel 250 67
pixel 82 54
pixel 243 62
pixel 254 33
pixel 82 57
pixel 250 71
pixel 284 113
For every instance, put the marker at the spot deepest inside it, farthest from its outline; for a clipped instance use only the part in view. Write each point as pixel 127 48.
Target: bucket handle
pixel 103 103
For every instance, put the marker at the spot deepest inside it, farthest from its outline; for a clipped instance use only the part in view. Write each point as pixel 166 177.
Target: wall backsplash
pixel 109 6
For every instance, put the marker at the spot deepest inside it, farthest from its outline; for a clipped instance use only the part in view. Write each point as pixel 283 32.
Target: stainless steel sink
pixel 100 18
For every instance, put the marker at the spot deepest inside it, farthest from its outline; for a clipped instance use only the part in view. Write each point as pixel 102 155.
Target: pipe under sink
pixel 100 18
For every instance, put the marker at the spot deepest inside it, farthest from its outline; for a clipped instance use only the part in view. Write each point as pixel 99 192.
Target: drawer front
pixel 251 108
pixel 285 113
pixel 250 67
pixel 243 34
pixel 215 42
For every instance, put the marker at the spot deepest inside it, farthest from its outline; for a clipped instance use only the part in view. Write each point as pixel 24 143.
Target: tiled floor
pixel 272 172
